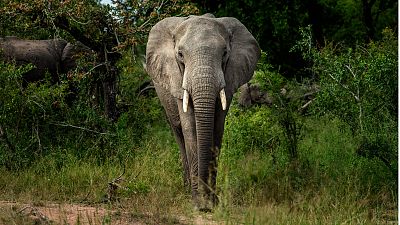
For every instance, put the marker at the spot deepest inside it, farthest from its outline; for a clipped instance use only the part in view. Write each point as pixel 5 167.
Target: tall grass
pixel 151 182
pixel 329 184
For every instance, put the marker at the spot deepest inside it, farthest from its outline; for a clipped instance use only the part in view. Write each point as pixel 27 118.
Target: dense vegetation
pixel 325 151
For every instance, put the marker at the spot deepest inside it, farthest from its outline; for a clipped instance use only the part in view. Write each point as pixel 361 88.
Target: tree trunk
pixel 367 18
pixel 110 93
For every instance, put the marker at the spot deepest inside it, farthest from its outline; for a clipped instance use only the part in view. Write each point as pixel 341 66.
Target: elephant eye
pixel 225 53
pixel 180 56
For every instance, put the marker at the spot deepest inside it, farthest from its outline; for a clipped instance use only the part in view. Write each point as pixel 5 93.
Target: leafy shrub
pixel 37 121
pixel 327 137
pixel 359 86
pixel 249 131
pixel 139 109
pixel 288 102
pixel 67 119
pixel 23 114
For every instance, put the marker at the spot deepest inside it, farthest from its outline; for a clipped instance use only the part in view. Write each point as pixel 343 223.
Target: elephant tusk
pixel 185 100
pixel 223 98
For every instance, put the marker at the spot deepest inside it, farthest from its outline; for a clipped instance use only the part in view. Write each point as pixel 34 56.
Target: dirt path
pixel 52 213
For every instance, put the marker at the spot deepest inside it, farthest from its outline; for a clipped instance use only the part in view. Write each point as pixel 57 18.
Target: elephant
pixel 252 94
pixel 196 64
pixel 55 56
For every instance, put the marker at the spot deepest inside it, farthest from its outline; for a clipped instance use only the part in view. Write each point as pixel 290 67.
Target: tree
pixel 371 13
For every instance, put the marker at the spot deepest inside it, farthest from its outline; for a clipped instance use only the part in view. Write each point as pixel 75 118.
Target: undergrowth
pixel 329 183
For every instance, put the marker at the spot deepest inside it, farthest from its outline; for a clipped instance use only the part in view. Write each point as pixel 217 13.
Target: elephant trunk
pixel 204 94
pixel 204 107
pixel 204 113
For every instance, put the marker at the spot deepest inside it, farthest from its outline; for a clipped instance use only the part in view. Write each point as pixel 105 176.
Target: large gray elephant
pixel 197 63
pixel 55 56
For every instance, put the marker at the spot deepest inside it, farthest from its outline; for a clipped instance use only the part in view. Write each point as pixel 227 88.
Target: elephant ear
pixel 161 64
pixel 244 54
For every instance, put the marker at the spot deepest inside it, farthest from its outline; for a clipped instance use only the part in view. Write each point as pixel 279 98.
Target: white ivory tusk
pixel 223 98
pixel 185 100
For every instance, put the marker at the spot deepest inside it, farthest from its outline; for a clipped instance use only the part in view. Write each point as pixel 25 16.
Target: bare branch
pixel 38 137
pixel 145 23
pixel 345 87
pixel 306 105
pixel 76 21
pixel 145 89
pixel 35 212
pixel 119 177
pixel 351 71
pixel 116 37
pixel 81 128
pixel 98 65
pixel 113 187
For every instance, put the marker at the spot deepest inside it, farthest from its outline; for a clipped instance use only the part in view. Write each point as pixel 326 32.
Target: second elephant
pixel 252 94
pixel 55 56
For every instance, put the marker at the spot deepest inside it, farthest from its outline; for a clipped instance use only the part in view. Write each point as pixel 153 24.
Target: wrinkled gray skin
pixel 202 55
pixel 252 94
pixel 55 56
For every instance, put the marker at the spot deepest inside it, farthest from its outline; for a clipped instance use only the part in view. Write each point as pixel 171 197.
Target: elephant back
pixel 45 55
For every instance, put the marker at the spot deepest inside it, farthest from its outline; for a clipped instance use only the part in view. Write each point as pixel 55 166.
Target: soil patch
pixel 54 213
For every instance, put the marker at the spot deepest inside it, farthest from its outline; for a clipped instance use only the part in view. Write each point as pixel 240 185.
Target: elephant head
pixel 252 94
pixel 197 63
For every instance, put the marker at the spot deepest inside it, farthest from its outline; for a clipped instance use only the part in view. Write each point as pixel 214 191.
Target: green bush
pixel 37 120
pixel 24 114
pixel 359 86
pixel 288 100
pixel 139 109
pixel 66 119
pixel 250 130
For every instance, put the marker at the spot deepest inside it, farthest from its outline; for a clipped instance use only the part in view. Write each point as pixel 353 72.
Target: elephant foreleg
pixel 189 132
pixel 181 144
pixel 171 109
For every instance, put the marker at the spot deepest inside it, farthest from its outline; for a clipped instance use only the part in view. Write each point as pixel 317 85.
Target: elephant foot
pixel 205 203
pixel 203 207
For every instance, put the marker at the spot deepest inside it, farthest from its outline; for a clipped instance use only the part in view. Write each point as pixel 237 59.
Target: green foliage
pixel 108 31
pixel 337 153
pixel 137 18
pixel 23 115
pixel 69 118
pixel 360 87
pixel 327 171
pixel 252 130
pixel 139 108
pixel 288 99
pixel 41 120
pixel 274 24
pixel 117 27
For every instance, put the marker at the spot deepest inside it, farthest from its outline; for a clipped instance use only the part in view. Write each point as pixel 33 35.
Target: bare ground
pixel 54 213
